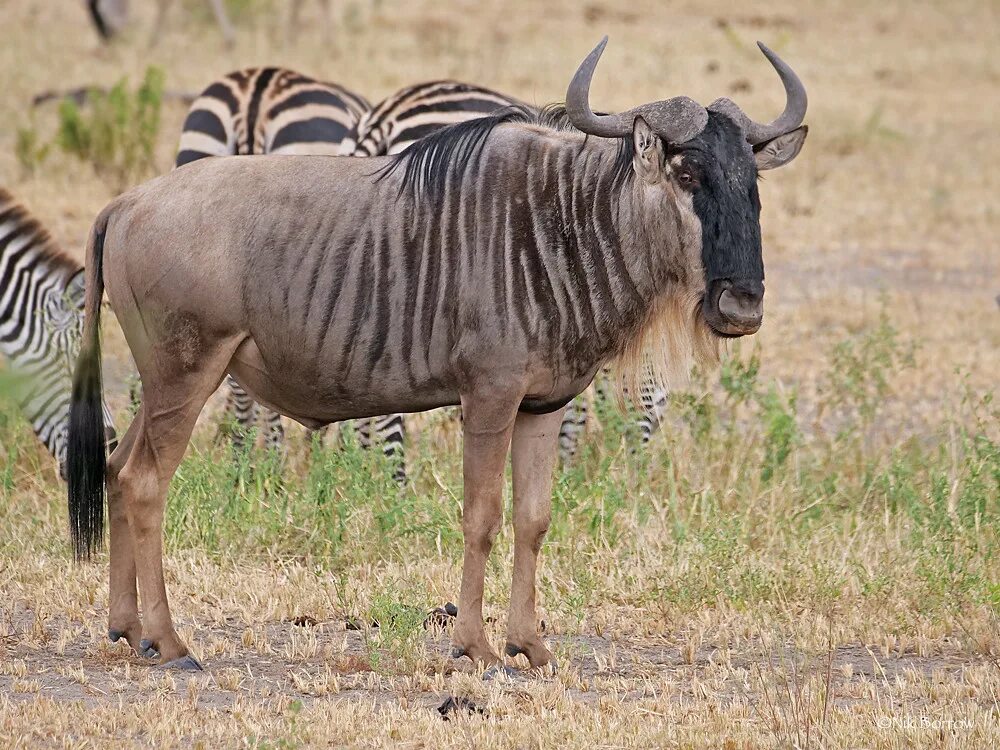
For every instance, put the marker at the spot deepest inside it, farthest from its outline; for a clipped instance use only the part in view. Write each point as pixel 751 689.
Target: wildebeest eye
pixel 685 178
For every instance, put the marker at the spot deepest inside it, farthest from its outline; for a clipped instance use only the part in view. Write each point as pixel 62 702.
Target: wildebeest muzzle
pixel 734 307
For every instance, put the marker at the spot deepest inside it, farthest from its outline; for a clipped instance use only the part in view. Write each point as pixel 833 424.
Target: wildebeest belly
pixel 316 392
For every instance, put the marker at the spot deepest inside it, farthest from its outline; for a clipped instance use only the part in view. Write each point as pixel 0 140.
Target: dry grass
pixel 808 556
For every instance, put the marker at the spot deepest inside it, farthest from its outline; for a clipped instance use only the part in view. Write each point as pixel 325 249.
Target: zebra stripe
pixel 41 317
pixel 417 111
pixel 268 110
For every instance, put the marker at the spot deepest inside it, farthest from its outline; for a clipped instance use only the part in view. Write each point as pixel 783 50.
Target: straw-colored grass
pixel 805 557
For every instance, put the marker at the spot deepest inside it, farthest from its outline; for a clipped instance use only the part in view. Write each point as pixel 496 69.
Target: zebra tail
pixel 86 457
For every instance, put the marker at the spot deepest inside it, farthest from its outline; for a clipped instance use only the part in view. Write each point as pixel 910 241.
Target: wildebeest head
pixel 706 161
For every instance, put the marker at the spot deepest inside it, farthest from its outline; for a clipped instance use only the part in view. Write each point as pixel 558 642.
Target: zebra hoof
pixel 187 663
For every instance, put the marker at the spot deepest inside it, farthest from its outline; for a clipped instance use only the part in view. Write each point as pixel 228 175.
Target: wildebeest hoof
pixel 511 650
pixel 187 663
pixel 500 669
pixel 546 659
pixel 457 653
pixel 147 649
pixel 115 635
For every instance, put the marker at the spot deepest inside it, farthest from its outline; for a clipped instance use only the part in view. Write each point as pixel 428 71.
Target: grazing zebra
pixel 266 111
pixel 41 313
pixel 498 264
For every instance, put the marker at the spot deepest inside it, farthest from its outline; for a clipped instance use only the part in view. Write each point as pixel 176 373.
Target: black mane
pixel 430 162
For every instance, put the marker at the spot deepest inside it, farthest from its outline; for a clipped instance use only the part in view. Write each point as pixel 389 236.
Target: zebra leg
pixel 390 431
pixel 243 410
pixel 162 6
pixel 274 431
pixel 363 430
pixel 574 424
pixel 222 18
pixel 654 404
pixel 318 434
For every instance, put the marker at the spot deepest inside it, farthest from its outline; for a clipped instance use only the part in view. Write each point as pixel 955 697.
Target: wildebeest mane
pixel 430 162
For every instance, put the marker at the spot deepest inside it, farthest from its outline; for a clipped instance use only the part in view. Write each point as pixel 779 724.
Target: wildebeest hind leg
pixel 488 424
pixel 174 391
pixel 533 458
pixel 123 609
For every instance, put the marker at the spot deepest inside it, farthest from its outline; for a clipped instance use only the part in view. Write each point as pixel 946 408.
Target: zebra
pixel 41 318
pixel 266 110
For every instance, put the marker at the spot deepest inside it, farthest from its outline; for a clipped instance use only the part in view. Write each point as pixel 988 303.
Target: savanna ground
pixel 807 555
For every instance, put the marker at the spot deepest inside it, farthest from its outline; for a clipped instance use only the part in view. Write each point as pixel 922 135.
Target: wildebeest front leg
pixel 488 424
pixel 533 457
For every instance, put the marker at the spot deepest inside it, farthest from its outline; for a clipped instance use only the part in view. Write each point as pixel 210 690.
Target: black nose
pixel 742 304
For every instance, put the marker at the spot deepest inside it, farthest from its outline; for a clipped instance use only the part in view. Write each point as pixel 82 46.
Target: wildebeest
pixel 497 264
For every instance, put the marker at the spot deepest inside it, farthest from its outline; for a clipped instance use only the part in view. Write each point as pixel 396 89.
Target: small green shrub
pixel 30 150
pixel 115 131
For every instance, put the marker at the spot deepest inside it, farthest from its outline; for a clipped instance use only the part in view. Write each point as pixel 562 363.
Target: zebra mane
pixel 25 224
pixel 429 163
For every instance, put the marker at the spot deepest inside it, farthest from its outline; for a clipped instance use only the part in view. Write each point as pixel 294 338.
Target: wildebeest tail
pixel 86 456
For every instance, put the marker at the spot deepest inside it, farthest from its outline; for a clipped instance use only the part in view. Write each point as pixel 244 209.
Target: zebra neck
pixel 26 278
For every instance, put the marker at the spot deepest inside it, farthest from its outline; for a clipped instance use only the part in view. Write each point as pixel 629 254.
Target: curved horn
pixel 675 120
pixel 578 101
pixel 796 102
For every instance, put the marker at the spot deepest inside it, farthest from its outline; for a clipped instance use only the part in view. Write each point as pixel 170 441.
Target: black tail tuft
pixel 86 456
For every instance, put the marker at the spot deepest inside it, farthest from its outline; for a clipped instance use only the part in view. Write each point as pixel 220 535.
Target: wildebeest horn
pixel 795 105
pixel 675 120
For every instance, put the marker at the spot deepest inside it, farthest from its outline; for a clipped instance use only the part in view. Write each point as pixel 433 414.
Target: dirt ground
pixel 890 211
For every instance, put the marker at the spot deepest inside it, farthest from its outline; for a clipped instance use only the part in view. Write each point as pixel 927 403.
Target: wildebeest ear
pixel 777 152
pixel 648 162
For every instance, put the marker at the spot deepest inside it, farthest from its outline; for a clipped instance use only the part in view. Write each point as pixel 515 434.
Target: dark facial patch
pixel 725 198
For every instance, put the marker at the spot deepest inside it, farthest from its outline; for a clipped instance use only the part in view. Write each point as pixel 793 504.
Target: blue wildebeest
pixel 497 264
